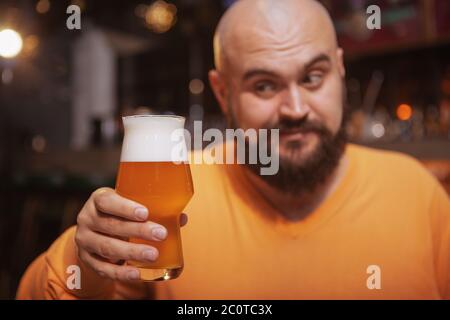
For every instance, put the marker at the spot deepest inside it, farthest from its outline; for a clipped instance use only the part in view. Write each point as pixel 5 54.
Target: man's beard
pixel 297 177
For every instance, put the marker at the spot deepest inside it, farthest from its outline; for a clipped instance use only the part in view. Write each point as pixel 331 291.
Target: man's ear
pixel 340 62
pixel 218 85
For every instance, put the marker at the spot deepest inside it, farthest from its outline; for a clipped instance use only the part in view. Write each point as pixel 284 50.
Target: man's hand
pixel 104 224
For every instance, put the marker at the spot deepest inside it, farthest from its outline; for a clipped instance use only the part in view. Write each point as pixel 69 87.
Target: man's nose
pixel 294 104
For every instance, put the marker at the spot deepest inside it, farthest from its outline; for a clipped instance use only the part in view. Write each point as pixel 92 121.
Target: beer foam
pixel 152 138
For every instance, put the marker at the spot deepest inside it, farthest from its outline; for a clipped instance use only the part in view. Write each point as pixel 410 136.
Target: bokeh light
pixel 378 130
pixel 404 112
pixel 7 76
pixel 38 143
pixel 42 6
pixel 30 45
pixel 196 86
pixel 10 43
pixel 80 3
pixel 161 16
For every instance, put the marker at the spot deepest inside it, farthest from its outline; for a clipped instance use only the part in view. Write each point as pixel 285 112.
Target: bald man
pixel 338 221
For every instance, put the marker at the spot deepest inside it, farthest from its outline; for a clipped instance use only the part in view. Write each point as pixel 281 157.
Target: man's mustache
pixel 300 126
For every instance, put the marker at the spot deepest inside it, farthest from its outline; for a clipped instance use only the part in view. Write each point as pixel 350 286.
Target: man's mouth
pixel 294 134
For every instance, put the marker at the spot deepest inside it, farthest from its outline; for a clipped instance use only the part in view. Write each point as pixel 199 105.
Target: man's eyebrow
pixel 259 72
pixel 265 72
pixel 319 58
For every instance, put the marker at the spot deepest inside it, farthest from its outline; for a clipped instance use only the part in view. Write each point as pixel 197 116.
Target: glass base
pixel 159 274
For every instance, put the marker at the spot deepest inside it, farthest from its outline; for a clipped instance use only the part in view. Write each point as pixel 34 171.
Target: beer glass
pixel 154 172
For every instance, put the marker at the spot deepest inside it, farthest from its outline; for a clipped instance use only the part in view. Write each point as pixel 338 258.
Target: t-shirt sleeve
pixel 48 276
pixel 440 213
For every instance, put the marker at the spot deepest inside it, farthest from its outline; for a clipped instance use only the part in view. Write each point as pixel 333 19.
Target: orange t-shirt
pixel 384 233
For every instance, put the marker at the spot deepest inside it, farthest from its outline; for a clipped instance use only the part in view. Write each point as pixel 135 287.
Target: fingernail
pixel 133 275
pixel 149 255
pixel 159 233
pixel 141 213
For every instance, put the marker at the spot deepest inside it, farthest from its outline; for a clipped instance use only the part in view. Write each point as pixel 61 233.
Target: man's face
pixel 295 86
pixel 281 68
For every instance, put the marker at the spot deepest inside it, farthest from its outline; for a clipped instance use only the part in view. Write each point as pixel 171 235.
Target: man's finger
pixel 110 270
pixel 124 229
pixel 115 249
pixel 106 200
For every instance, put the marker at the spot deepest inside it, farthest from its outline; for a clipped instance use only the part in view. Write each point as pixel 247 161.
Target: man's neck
pixel 297 207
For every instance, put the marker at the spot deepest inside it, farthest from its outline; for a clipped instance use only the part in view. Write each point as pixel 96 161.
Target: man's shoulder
pixel 390 164
pixel 382 155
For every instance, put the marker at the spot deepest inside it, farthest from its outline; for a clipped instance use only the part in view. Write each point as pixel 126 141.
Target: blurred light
pixel 38 143
pixel 446 86
pixel 43 6
pixel 10 43
pixel 378 130
pixel 142 110
pixel 7 76
pixel 79 3
pixel 161 16
pixel 141 10
pixel 196 86
pixel 404 112
pixel 30 44
pixel 12 14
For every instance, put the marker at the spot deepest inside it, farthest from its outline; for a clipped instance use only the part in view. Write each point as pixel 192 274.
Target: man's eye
pixel 313 79
pixel 265 88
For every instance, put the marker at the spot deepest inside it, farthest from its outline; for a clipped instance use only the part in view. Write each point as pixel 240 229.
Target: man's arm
pixel 440 221
pixel 96 246
pixel 47 277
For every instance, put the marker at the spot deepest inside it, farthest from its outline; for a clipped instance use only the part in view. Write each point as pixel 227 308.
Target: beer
pixel 151 175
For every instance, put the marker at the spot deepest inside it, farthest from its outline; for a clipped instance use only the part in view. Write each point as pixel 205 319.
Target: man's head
pixel 278 65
